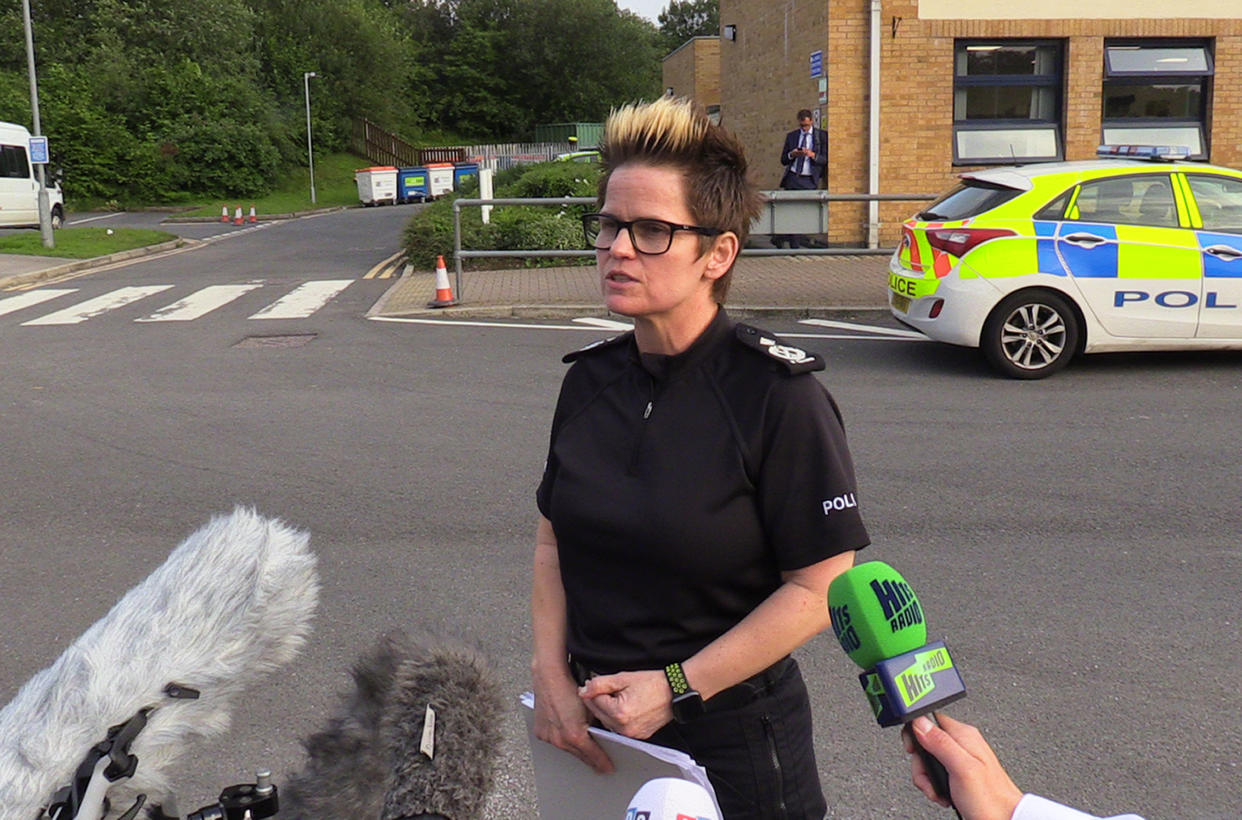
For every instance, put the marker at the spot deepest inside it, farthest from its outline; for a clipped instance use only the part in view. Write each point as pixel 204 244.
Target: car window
pixel 1219 200
pixel 969 199
pixel 13 162
pixel 1137 200
pixel 1055 210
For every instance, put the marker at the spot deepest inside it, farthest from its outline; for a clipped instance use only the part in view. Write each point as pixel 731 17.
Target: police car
pixel 1137 250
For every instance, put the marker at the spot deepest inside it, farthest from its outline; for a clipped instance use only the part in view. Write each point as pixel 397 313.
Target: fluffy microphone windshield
pixel 370 762
pixel 233 602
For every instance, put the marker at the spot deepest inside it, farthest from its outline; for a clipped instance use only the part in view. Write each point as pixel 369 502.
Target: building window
pixel 1156 93
pixel 1006 101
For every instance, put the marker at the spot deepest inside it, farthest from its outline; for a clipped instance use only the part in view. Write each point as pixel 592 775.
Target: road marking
pixel 605 324
pixel 304 300
pixel 583 325
pixel 888 331
pixel 33 297
pixel 467 323
pixel 200 303
pixel 99 305
pixel 220 237
pixel 95 218
pixel 388 267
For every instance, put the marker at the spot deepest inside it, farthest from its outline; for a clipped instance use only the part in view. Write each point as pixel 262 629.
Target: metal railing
pixel 771 221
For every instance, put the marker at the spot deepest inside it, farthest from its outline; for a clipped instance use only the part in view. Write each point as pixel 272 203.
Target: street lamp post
pixel 310 150
pixel 45 216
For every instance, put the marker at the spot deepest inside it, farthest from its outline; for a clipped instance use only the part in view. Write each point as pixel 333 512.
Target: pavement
pixel 793 286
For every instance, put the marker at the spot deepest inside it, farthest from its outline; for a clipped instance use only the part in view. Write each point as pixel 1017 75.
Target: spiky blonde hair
pixel 675 133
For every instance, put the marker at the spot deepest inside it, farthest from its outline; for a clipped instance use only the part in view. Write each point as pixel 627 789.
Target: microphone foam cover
pixel 875 613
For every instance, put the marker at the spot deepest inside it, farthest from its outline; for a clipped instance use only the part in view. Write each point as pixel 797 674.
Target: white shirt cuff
pixel 1034 807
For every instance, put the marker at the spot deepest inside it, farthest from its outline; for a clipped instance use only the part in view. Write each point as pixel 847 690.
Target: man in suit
pixel 805 157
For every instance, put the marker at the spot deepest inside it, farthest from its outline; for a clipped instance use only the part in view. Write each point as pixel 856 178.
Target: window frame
pixel 1205 79
pixel 1054 81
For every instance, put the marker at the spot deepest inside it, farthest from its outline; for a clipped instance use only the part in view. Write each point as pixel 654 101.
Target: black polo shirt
pixel 679 487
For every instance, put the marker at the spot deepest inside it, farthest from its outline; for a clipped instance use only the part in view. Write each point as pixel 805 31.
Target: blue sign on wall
pixel 38 150
pixel 817 64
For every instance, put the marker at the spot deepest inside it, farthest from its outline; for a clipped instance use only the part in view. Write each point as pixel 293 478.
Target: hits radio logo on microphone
pixel 901 608
pixel 844 630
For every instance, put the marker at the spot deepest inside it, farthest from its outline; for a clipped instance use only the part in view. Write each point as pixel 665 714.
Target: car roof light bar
pixel 1152 152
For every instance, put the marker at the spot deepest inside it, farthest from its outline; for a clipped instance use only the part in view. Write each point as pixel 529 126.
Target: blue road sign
pixel 38 150
pixel 817 64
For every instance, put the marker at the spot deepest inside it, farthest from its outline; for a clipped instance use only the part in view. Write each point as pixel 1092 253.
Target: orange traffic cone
pixel 237 217
pixel 444 291
pixel 224 214
pixel 253 217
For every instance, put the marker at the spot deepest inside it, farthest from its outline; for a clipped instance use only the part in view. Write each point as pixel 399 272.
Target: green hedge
pixel 513 227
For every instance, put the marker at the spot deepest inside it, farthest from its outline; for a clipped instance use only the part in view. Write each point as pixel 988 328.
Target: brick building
pixel 693 70
pixel 967 83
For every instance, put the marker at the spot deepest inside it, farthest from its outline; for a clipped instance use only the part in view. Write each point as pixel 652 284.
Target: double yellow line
pixel 388 268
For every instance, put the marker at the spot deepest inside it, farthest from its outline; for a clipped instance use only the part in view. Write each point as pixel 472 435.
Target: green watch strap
pixel 676 679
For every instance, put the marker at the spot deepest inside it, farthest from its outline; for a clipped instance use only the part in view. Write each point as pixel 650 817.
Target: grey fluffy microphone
pixel 385 756
pixel 232 603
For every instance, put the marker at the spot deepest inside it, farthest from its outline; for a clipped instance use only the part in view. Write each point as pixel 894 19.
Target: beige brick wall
pixel 765 75
pixel 765 79
pixel 693 70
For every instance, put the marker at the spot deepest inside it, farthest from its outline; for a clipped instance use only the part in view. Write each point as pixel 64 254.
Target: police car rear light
pixel 1164 152
pixel 958 241
pixel 936 307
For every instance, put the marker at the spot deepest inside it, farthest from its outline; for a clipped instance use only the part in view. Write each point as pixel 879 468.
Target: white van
pixel 19 187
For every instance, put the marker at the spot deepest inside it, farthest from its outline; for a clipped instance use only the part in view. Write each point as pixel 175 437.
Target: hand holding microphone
pixel 982 789
pixel 879 622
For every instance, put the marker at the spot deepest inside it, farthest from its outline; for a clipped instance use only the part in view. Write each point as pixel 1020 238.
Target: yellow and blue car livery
pixel 1037 263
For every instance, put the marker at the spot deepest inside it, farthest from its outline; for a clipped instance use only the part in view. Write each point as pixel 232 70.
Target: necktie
pixel 805 170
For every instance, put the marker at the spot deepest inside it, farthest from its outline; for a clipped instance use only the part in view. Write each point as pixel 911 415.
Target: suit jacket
pixel 819 144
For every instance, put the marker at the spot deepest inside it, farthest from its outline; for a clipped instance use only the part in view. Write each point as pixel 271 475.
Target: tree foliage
pixel 148 99
pixel 501 67
pixel 684 19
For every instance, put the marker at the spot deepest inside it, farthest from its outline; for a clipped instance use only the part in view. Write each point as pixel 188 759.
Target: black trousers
pixel 758 749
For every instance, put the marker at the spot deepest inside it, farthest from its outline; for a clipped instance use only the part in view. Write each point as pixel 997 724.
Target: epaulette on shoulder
pixel 795 359
pixel 597 346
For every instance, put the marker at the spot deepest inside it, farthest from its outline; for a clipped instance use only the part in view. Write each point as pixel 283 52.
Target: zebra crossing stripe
pixel 304 300
pixel 32 297
pixel 99 305
pixel 200 303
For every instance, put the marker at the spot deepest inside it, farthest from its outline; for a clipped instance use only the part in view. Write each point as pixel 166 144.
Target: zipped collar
pixel 663 367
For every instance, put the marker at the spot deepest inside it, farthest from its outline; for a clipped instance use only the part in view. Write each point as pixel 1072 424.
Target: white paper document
pixel 568 789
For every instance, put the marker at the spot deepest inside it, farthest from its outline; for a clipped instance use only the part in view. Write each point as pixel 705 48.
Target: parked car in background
pixel 19 187
pixel 585 155
pixel 1033 264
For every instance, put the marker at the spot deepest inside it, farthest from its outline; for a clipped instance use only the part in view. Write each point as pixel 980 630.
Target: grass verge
pixel 82 243
pixel 334 186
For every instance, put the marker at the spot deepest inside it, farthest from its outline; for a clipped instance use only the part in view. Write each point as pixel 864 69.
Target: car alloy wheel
pixel 1031 335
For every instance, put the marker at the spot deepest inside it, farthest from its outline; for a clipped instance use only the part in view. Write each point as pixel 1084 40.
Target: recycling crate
pixel 377 185
pixel 463 171
pixel 440 178
pixel 413 184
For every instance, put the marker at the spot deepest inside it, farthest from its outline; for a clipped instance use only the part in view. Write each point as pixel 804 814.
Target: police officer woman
pixel 698 496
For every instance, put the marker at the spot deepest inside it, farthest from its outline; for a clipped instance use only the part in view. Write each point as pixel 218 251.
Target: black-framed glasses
pixel 648 236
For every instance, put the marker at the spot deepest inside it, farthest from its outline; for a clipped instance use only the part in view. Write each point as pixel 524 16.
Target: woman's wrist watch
pixel 687 703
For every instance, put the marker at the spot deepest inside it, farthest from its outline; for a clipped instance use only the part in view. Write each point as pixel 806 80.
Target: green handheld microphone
pixel 879 622
pixel 875 613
